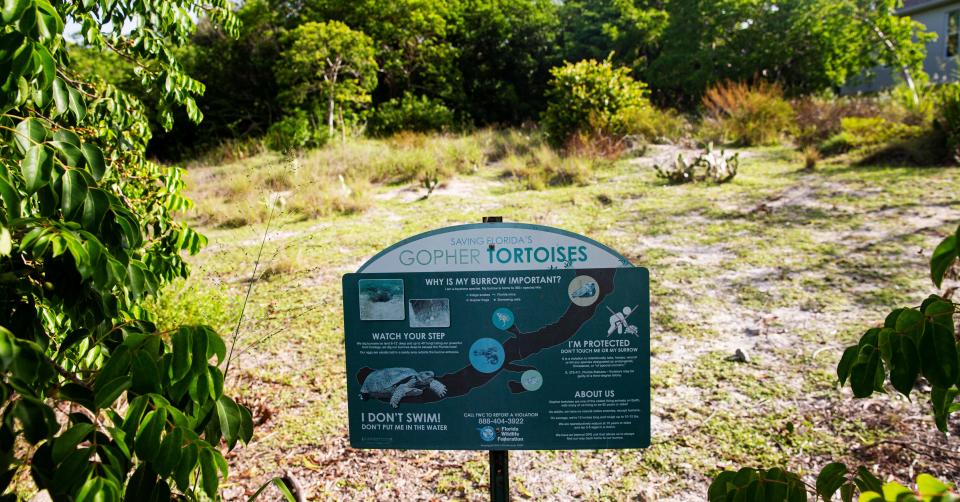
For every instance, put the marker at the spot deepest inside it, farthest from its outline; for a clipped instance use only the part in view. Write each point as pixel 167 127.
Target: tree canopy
pixel 488 61
pixel 327 66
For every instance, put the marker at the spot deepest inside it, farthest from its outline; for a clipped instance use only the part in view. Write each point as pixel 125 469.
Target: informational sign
pixel 494 246
pixel 499 356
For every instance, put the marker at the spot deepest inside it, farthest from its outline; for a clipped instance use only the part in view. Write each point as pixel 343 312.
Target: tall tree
pixel 807 45
pixel 327 63
pixel 629 29
pixel 410 37
pixel 241 97
pixel 507 48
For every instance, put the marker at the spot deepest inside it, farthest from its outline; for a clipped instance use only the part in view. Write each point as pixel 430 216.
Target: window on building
pixel 953 33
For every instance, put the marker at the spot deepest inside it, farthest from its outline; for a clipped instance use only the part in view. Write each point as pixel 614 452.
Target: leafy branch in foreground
pixel 912 342
pixel 95 403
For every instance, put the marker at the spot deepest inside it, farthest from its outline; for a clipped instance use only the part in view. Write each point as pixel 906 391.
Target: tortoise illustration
pixel 398 383
pixel 490 353
pixel 587 290
pixel 504 318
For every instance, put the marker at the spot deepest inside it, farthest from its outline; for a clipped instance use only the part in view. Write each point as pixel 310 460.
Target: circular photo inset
pixel 503 318
pixel 583 290
pixel 531 380
pixel 486 355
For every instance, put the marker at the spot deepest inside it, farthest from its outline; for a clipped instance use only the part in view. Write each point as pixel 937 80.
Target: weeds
pixel 810 157
pixel 543 168
pixel 746 115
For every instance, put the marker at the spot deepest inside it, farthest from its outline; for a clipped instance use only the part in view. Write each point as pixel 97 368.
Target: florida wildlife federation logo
pixel 488 433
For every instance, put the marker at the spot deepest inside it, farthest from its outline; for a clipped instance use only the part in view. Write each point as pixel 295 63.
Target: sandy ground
pixel 700 318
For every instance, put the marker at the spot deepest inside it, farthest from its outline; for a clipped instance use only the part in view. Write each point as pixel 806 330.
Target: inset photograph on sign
pixel 429 313
pixel 486 355
pixel 503 318
pixel 583 290
pixel 381 300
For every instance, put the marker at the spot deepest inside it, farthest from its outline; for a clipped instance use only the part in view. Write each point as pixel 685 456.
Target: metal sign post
pixel 499 459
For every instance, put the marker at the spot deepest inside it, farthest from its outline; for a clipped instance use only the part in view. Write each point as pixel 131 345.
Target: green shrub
pixel 652 124
pixel 296 132
pixel 410 113
pixel 868 132
pixel 948 119
pixel 747 115
pixel 591 98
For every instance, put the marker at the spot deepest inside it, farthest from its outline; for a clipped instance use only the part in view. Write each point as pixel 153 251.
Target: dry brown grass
pixel 746 114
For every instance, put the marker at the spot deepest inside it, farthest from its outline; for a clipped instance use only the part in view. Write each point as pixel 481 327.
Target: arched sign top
pixel 494 246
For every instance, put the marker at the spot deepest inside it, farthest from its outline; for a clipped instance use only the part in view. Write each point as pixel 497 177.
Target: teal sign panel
pixel 499 359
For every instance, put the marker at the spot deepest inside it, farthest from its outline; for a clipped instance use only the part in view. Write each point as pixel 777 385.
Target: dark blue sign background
pixel 547 359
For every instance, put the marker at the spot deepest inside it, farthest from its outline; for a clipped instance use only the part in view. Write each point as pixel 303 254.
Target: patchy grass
pixel 788 265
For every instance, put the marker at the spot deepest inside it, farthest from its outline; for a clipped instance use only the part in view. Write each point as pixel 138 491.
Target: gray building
pixel 938 16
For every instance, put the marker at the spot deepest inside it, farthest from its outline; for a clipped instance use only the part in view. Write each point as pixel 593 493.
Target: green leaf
pixel 199 388
pixel 904 365
pixel 95 206
pixel 943 257
pixel 209 471
pixel 181 353
pixel 146 373
pixel 910 322
pixel 36 167
pixel 246 425
pixel 47 67
pixel 942 401
pixel 49 22
pixel 187 464
pixel 170 450
pixel 61 98
pixel 216 382
pixel 863 374
pixel 73 192
pixel 846 362
pixel 12 10
pixel 281 486
pixel 68 441
pixel 107 393
pixel 10 198
pixel 199 351
pixel 867 481
pixel 118 365
pixel 36 418
pixel 72 155
pixel 67 136
pixel 135 280
pixel 29 132
pixel 76 104
pixel 94 158
pixel 230 420
pixel 893 491
pixel 830 479
pixel 930 486
pixel 71 474
pixel 28 19
pixel 78 394
pixel 846 493
pixel 938 356
pixel 147 443
pixel 215 345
